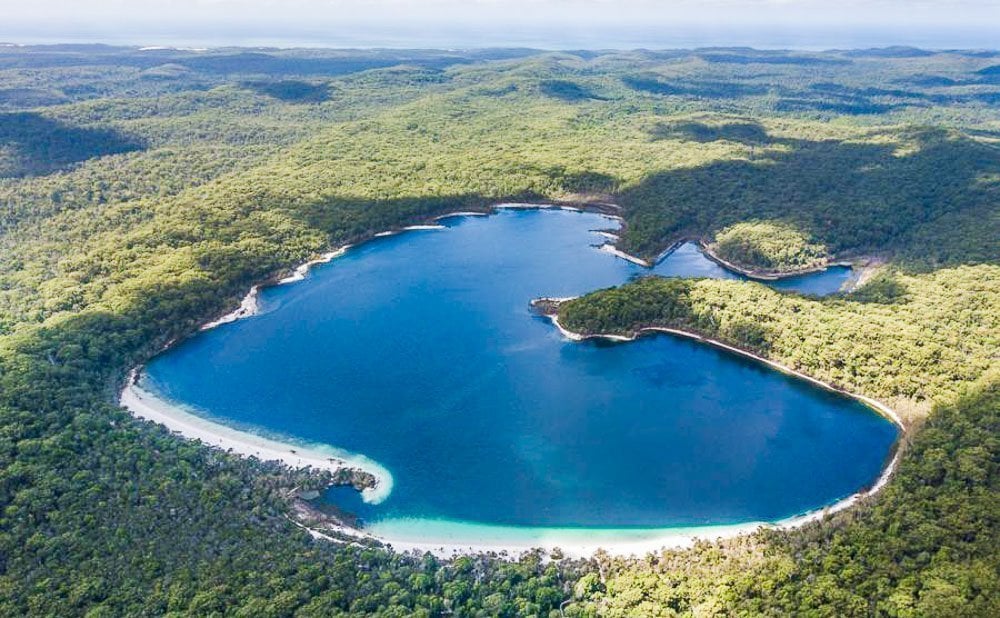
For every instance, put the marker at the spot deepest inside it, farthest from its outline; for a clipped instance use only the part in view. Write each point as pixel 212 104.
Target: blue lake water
pixel 420 352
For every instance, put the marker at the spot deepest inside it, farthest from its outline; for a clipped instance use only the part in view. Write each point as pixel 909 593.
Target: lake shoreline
pixel 765 275
pixel 547 303
pixel 549 309
pixel 249 305
pixel 145 405
pixel 574 544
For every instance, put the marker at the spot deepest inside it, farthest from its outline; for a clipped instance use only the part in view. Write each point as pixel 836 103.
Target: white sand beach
pixel 248 306
pixel 450 539
pixel 465 213
pixel 302 270
pixel 144 404
pixel 540 206
pixel 446 539
pixel 613 250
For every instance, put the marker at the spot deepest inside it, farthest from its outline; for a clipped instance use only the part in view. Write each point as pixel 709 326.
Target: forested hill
pixel 143 190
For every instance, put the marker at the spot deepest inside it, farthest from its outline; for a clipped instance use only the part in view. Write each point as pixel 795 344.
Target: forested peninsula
pixel 143 191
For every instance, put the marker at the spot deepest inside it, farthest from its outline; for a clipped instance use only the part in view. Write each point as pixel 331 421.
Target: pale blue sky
pixel 951 23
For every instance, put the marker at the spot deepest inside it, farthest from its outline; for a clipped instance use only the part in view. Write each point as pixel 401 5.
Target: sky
pixel 484 23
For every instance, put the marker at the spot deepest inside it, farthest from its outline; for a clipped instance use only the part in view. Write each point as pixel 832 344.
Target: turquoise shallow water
pixel 420 351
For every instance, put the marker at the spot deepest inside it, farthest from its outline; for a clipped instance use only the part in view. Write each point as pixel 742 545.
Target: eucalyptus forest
pixel 143 191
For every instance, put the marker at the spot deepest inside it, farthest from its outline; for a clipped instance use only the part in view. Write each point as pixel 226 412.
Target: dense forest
pixel 143 191
pixel 768 247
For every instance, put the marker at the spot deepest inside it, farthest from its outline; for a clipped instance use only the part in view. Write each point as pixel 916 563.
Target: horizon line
pixel 189 46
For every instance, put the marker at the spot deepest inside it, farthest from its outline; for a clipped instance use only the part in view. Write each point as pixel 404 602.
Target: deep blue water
pixel 420 351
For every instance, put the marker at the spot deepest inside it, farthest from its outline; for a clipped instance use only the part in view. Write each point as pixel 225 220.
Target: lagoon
pixel 420 352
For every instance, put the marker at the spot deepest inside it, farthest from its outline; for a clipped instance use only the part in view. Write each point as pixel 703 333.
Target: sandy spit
pixel 146 405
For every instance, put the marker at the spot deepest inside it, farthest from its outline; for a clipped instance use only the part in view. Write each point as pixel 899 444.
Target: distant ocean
pixel 563 37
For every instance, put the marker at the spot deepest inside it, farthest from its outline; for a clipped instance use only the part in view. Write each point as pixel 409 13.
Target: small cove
pixel 420 352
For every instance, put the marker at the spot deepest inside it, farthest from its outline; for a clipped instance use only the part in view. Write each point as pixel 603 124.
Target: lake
pixel 420 352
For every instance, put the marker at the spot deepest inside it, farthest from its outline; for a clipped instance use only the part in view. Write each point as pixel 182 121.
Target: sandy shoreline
pixel 302 270
pixel 461 213
pixel 613 250
pixel 143 404
pixel 451 540
pixel 250 305
pixel 606 234
pixel 572 543
pixel 460 538
pixel 146 405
